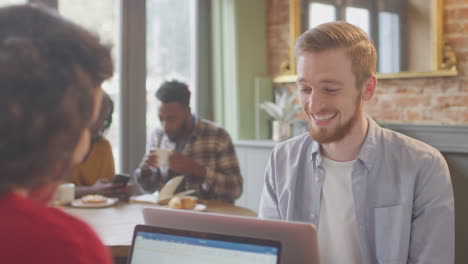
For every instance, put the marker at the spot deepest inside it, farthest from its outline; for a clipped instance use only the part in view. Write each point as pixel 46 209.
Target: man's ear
pixel 369 88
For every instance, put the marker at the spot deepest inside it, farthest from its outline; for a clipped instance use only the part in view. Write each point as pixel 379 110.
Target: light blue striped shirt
pixel 402 194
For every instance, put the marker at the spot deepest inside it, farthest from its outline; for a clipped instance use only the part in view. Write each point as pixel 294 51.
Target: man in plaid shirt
pixel 201 150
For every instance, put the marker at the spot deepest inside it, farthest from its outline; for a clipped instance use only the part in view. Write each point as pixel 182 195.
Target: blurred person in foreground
pixel 94 175
pixel 376 196
pixel 200 150
pixel 51 72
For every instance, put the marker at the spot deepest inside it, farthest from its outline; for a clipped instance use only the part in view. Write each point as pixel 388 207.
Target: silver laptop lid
pixel 298 240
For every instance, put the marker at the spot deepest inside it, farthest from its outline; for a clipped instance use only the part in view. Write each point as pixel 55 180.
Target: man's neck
pixel 189 128
pixel 347 148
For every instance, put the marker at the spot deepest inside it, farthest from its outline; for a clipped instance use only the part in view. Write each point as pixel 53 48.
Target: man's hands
pixel 106 188
pixel 150 160
pixel 177 162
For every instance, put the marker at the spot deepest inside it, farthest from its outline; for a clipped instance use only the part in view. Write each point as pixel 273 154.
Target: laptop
pixel 171 246
pixel 298 240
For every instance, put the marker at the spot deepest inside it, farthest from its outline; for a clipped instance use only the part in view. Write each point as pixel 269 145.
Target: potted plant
pixel 283 110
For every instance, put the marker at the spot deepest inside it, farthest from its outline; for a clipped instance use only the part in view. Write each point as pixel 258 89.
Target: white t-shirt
pixel 337 228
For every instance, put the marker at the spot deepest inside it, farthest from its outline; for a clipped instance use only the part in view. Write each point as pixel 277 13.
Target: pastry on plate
pixel 184 202
pixel 93 199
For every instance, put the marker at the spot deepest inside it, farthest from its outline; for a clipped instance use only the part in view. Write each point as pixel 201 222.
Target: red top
pixel 34 233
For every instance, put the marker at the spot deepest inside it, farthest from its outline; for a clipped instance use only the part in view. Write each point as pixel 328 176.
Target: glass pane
pixel 321 13
pixel 389 42
pixel 169 49
pixel 100 17
pixel 359 17
pixel 12 2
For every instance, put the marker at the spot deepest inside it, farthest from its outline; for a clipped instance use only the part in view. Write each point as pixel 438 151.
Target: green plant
pixel 284 108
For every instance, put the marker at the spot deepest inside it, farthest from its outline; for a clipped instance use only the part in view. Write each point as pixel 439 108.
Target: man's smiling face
pixel 328 94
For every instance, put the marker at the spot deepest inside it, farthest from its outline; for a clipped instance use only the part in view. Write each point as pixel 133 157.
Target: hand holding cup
pixel 157 158
pixel 163 157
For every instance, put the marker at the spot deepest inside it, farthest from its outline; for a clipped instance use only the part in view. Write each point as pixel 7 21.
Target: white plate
pixel 78 203
pixel 198 207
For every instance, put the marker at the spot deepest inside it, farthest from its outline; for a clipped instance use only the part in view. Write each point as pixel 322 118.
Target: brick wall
pixel 441 100
pixel 278 34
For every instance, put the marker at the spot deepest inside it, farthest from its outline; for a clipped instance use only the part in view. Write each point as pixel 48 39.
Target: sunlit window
pixel 359 17
pixel 389 42
pixel 12 2
pixel 100 18
pixel 321 13
pixel 169 50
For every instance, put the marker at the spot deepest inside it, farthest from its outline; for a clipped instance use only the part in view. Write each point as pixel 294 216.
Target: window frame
pixel 374 22
pixel 131 70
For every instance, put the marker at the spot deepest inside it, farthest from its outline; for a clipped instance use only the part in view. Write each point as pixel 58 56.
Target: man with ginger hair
pixel 375 196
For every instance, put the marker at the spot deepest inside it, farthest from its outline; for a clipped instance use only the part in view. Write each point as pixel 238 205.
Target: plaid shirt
pixel 209 145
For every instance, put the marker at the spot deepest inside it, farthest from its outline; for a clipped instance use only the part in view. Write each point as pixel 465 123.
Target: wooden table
pixel 115 225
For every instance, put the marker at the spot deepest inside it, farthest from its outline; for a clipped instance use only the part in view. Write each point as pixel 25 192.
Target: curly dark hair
pixel 50 71
pixel 109 110
pixel 104 121
pixel 174 91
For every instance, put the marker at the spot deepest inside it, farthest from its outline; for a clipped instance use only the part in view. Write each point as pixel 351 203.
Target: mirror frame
pixel 440 49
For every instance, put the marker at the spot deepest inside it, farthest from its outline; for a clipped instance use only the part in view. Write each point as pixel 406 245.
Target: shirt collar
pixel 368 149
pixel 366 155
pixel 315 152
pixel 196 127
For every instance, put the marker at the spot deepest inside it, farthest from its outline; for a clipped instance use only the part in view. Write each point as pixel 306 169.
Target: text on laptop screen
pixel 166 248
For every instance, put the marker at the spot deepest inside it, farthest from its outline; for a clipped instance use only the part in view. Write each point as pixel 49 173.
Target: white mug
pixel 163 157
pixel 65 194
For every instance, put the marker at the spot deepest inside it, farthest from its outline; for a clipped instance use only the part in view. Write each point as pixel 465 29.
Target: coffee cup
pixel 163 157
pixel 65 194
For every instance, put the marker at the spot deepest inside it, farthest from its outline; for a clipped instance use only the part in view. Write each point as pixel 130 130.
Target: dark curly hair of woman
pixel 50 70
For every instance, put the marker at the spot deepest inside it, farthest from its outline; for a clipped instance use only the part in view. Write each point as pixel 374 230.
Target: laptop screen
pixel 168 246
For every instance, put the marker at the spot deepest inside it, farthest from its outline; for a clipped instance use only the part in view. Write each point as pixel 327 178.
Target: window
pixel 321 13
pixel 100 17
pixel 389 40
pixel 11 2
pixel 170 50
pixel 359 17
pixel 174 31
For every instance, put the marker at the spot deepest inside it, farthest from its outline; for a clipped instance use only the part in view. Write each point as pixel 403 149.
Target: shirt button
pixel 312 216
pixel 316 178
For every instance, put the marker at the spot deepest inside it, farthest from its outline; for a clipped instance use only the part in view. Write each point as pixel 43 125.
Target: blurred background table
pixel 115 224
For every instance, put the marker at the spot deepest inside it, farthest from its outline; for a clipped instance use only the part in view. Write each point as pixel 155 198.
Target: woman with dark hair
pixel 94 174
pixel 51 72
